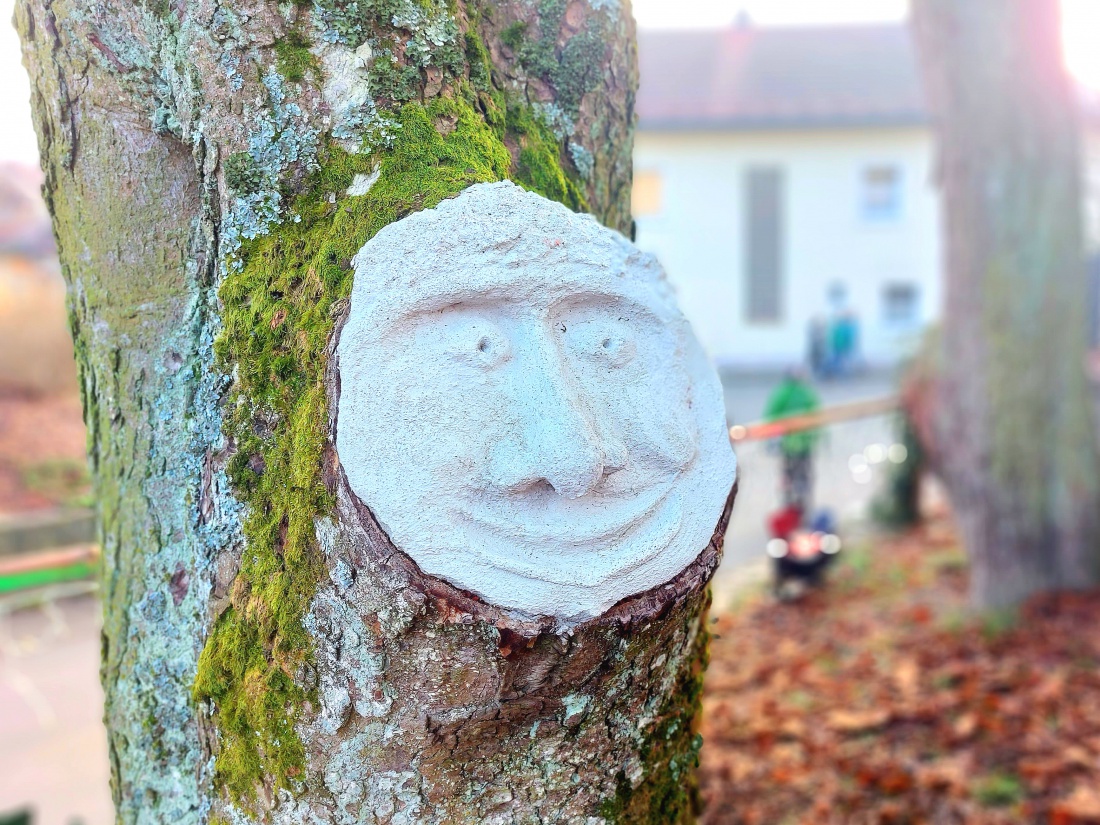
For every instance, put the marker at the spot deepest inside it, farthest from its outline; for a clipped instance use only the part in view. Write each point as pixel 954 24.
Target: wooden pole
pixel 762 430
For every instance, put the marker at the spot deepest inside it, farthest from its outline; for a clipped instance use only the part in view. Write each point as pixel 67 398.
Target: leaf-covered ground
pixel 879 700
pixel 42 453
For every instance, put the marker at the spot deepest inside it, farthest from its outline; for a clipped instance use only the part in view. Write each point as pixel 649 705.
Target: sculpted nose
pixel 567 453
pixel 559 443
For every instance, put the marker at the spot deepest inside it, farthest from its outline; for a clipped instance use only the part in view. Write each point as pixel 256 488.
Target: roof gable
pixel 749 77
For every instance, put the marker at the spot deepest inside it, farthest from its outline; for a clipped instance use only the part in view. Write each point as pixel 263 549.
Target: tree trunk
pixel 1010 421
pixel 268 653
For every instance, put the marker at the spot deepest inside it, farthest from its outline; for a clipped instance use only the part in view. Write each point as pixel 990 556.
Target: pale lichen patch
pixel 362 182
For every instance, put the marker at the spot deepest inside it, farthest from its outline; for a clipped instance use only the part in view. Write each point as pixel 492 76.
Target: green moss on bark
pixel 669 792
pixel 477 58
pixel 573 69
pixel 277 324
pixel 539 167
pixel 278 300
pixel 293 58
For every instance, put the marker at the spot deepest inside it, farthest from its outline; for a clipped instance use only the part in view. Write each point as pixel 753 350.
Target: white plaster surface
pixel 525 409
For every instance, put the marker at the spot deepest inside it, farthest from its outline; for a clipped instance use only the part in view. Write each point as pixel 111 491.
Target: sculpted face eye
pixel 608 342
pixel 617 350
pixel 479 344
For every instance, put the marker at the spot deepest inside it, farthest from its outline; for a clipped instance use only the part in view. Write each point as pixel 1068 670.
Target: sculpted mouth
pixel 633 540
pixel 577 525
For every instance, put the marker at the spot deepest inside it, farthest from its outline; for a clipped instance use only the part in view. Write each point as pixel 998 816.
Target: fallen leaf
pixel 907 676
pixel 965 726
pixel 793 728
pixel 1082 806
pixel 952 773
pixel 920 614
pixel 855 721
pixel 1076 755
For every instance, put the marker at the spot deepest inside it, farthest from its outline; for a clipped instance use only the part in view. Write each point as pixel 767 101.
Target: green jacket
pixel 793 397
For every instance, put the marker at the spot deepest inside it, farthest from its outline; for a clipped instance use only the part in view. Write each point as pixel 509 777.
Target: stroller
pixel 800 552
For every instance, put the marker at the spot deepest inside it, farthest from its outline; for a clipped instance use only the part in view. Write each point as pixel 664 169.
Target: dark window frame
pixel 890 304
pixel 873 209
pixel 764 261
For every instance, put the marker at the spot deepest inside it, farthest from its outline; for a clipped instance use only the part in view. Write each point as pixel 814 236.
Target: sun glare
pixel 1081 40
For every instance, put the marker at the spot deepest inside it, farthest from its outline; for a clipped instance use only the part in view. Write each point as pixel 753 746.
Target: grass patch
pixel 999 790
pixel 40 578
pixel 65 481
pixel 998 623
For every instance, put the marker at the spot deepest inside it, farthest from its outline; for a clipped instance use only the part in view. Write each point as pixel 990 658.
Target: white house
pixel 783 175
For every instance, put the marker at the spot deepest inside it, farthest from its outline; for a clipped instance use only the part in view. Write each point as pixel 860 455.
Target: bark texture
pixel 1007 413
pixel 268 656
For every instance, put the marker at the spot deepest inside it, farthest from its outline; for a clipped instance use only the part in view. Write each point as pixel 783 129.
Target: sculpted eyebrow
pixel 427 304
pixel 628 303
pixel 440 302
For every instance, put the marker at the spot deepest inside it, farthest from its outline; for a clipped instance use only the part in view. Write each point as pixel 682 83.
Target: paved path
pixel 53 747
pixel 52 743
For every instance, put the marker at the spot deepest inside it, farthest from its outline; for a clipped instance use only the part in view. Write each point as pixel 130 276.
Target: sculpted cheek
pixel 679 439
pixel 667 442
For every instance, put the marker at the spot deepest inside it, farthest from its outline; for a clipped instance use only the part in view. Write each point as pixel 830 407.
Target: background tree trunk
pixel 267 654
pixel 1010 421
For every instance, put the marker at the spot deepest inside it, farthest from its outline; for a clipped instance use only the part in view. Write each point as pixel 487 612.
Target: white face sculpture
pixel 524 408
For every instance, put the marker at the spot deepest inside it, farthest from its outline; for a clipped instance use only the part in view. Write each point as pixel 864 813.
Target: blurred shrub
pixel 898 503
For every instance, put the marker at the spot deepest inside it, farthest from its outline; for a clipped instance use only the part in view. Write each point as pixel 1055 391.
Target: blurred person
pixel 844 343
pixel 801 550
pixel 794 396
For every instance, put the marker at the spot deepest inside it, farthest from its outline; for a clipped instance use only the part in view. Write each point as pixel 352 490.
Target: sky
pixel 668 13
pixel 1081 18
pixel 17 141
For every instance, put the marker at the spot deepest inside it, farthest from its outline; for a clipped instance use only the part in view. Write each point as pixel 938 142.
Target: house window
pixel 881 193
pixel 900 304
pixel 764 241
pixel 646 197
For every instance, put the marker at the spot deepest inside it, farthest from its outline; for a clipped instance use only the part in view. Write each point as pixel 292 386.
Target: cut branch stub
pixel 491 710
pixel 524 407
pixel 471 714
